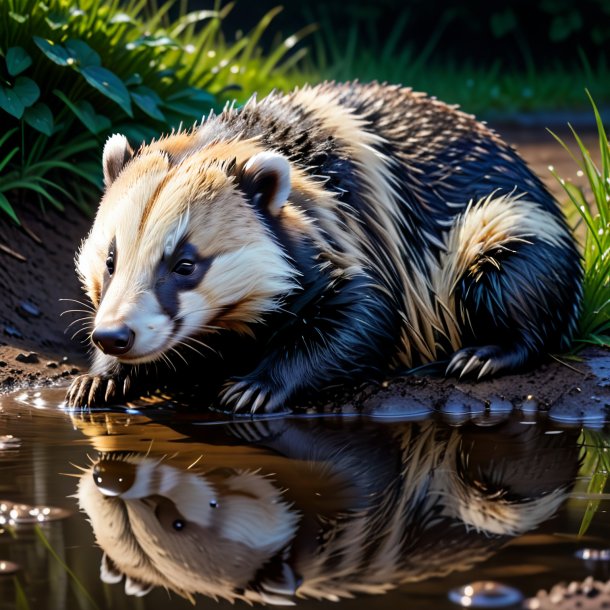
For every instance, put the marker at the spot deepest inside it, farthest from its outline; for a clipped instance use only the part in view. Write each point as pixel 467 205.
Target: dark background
pixel 519 32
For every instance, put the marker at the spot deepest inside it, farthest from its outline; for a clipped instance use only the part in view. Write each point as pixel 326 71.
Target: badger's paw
pixel 484 361
pixel 91 391
pixel 250 396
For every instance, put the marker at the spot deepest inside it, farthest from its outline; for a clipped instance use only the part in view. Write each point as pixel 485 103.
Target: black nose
pixel 114 340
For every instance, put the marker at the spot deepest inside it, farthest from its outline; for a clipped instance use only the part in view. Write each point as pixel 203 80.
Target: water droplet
pixel 485 594
pixel 8 567
pixel 580 173
pixel 593 554
pixel 19 514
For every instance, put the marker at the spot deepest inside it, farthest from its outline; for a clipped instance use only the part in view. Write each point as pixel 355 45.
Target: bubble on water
pixel 12 513
pixel 8 567
pixel 485 594
pixel 589 593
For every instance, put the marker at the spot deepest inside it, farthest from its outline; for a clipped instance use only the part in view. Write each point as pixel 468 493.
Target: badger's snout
pixel 114 340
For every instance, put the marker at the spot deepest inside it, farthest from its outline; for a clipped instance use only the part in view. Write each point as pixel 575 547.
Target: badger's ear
pixel 116 154
pixel 265 179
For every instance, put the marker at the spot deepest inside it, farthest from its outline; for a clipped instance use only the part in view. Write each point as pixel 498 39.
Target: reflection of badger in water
pixel 316 508
pixel 330 234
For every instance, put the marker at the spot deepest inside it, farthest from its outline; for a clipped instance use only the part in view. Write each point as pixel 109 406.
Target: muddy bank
pixel 37 270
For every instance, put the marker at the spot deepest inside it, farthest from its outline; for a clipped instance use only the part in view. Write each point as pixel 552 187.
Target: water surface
pixel 160 503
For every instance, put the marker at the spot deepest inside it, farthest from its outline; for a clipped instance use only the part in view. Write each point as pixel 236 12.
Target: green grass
pixel 593 206
pixel 596 470
pixel 358 53
pixel 73 72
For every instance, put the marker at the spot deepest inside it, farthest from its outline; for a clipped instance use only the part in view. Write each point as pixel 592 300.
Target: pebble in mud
pixel 460 407
pixel 530 405
pixel 570 411
pixel 406 407
pixel 29 358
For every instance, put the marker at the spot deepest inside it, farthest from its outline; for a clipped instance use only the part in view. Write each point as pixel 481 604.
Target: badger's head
pixel 181 244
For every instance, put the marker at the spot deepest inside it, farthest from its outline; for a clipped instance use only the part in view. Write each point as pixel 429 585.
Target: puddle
pixel 114 509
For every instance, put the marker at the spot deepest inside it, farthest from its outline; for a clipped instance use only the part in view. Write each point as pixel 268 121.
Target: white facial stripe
pixel 176 234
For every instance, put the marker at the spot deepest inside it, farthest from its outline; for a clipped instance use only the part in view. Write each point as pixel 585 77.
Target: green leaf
pixel 134 79
pixel 196 95
pixel 18 17
pixel 83 53
pixel 122 18
pixel 56 20
pixel 86 114
pixel 17 60
pixel 152 41
pixel 55 52
pixel 10 102
pixel 148 101
pixel 22 95
pixel 39 117
pixel 109 85
pixel 5 206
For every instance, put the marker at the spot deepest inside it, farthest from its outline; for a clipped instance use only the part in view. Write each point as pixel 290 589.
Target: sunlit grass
pixel 593 206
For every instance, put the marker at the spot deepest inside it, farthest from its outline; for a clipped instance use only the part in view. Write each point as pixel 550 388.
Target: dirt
pixel 37 271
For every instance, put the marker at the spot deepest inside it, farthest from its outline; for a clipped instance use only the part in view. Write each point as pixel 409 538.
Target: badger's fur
pixel 313 508
pixel 333 233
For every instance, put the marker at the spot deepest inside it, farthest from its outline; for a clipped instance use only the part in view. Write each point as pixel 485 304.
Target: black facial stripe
pixel 168 284
pixel 107 278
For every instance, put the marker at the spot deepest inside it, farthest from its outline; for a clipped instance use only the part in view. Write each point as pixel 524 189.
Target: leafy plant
pixel 72 72
pixel 595 214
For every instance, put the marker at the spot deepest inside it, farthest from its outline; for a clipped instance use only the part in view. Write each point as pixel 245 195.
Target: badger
pixel 339 232
pixel 278 510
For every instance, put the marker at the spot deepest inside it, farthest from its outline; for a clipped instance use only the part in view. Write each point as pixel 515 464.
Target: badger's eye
pixel 184 267
pixel 110 263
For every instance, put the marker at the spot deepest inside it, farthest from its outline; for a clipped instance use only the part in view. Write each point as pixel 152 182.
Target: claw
pixel 79 399
pixel 95 384
pixel 229 393
pixel 110 389
pixel 126 385
pixel 470 365
pixel 455 363
pixel 485 369
pixel 244 399
pixel 261 399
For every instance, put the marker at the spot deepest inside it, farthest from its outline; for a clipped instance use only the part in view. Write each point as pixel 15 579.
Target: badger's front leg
pixel 107 381
pixel 345 335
